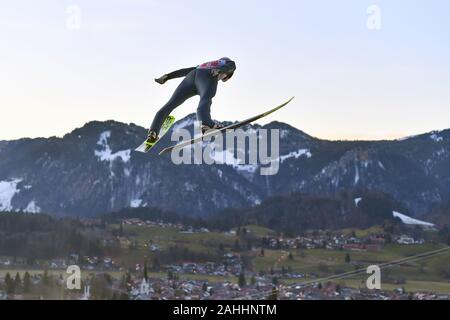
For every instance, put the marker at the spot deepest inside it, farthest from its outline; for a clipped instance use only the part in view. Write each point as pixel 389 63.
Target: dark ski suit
pixel 201 80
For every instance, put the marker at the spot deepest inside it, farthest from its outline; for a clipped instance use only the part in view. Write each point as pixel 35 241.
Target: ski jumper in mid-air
pixel 202 81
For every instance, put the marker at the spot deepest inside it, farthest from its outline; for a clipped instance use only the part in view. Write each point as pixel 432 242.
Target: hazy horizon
pixel 257 123
pixel 65 63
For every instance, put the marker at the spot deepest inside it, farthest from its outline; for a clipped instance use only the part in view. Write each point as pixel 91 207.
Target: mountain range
pixel 93 170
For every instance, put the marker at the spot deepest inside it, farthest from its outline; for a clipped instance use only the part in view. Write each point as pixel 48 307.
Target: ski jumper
pixel 202 81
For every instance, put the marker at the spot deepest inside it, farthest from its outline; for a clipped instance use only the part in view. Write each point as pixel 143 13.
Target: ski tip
pixel 286 103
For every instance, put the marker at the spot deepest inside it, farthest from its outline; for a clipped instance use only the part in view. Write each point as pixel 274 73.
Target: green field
pixel 205 243
pixel 334 261
pixel 424 275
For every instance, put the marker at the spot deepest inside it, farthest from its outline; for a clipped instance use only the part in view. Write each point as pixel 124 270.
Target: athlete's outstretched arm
pixel 175 74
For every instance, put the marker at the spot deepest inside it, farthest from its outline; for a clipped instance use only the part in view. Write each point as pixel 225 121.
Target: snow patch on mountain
pixel 356 174
pixel 254 200
pixel 7 191
pixel 106 154
pixel 296 155
pixel 436 138
pixel 135 203
pixel 32 207
pixel 227 157
pixel 408 220
pixel 357 201
pixel 284 133
pixel 438 154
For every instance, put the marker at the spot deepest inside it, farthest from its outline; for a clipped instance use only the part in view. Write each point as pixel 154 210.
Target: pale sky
pixel 350 81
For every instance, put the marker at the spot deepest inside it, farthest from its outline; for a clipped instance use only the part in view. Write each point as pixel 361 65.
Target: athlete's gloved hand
pixel 162 79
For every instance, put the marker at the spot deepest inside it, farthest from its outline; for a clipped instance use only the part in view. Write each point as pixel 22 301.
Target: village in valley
pixel 160 260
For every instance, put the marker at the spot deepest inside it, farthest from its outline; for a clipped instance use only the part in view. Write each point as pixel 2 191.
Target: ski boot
pixel 152 138
pixel 217 126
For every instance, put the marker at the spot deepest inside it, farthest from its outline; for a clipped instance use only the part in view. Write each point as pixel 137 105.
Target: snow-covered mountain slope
pixel 94 170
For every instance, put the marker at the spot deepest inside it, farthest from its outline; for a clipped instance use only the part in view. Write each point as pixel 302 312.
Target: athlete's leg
pixel 206 86
pixel 184 91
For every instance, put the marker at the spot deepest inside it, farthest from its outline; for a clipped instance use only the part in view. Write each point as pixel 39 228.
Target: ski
pixel 168 123
pixel 230 127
